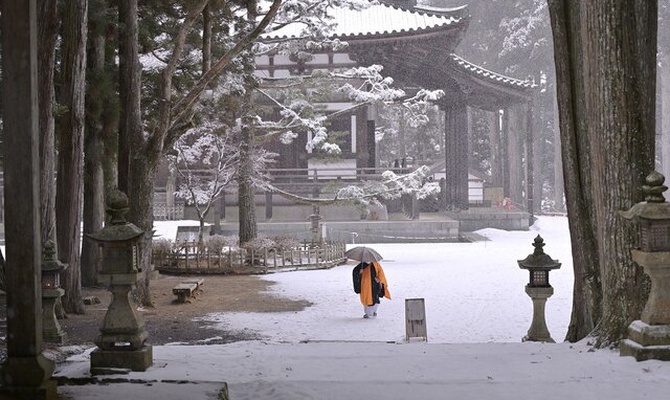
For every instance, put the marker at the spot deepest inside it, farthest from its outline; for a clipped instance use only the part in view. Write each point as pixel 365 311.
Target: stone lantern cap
pixel 118 228
pixel 654 207
pixel 49 261
pixel 538 260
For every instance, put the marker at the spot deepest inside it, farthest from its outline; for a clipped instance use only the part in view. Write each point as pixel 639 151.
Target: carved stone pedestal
pixel 647 342
pixel 133 360
pixel 538 331
pixel 122 336
pixel 649 337
pixel 51 329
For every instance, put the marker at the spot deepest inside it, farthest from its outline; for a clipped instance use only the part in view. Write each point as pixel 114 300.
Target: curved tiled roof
pixel 379 19
pixel 471 68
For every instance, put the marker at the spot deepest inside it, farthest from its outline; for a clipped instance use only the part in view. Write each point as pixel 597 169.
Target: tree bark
pixel 130 124
pixel 71 152
pixel 248 229
pixel 47 25
pixel 664 101
pixel 559 193
pixel 605 61
pixel 135 167
pixel 94 189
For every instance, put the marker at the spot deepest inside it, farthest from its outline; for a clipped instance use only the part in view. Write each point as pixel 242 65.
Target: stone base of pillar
pixel 647 342
pixel 28 378
pixel 135 360
pixel 47 391
pixel 536 338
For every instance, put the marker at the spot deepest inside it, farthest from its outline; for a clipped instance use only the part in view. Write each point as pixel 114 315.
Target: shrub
pixel 285 242
pixel 258 244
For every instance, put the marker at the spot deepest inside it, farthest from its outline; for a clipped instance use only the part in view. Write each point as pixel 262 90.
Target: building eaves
pixel 379 20
pixel 483 73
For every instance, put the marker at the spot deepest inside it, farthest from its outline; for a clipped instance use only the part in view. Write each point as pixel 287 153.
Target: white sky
pixel 476 314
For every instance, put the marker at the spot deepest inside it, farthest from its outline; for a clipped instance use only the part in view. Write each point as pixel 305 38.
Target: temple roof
pixel 489 75
pixel 416 46
pixel 382 20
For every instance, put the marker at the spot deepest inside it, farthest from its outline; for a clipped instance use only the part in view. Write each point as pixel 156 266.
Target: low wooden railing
pixel 189 258
pixel 171 213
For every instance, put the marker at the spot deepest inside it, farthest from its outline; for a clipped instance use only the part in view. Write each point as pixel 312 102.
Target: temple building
pixel 416 45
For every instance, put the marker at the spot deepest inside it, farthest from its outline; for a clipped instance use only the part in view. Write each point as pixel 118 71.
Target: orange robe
pixel 366 284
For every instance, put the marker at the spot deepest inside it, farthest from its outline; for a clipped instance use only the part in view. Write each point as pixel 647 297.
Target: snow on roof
pixel 485 73
pixel 378 19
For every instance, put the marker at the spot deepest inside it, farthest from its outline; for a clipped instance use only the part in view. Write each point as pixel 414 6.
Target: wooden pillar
pixel 530 161
pixel 504 152
pixel 268 205
pixel 26 372
pixel 496 148
pixel 516 137
pixel 456 156
pixel 222 204
pixel 372 144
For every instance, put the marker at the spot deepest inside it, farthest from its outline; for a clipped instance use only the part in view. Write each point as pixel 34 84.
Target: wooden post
pixel 456 157
pixel 268 205
pixel 530 160
pixel 26 372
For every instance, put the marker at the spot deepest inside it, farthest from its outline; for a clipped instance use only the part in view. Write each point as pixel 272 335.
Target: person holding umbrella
pixel 369 279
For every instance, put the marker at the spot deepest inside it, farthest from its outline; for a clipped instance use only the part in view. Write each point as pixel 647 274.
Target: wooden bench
pixel 186 289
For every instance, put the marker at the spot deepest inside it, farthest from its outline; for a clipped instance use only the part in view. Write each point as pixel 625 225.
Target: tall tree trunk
pixel 129 90
pixel 605 61
pixel 559 193
pixel 246 199
pixel 136 170
pixel 71 151
pixel 664 101
pixel 143 171
pixel 94 190
pixel 47 25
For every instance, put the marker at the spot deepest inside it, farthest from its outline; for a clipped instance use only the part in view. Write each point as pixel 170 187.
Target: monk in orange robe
pixel 370 282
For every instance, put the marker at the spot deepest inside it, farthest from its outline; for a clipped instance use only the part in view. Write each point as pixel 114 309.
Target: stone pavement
pixel 256 370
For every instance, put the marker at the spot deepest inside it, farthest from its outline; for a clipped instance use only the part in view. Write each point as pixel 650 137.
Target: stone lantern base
pixel 538 331
pixel 647 342
pixel 51 329
pixel 134 360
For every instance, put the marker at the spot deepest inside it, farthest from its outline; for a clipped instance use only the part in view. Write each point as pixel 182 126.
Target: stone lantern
pixel 51 292
pixel 649 337
pixel 538 288
pixel 122 336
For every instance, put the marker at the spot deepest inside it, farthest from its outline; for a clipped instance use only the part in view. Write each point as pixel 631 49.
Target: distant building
pixel 416 46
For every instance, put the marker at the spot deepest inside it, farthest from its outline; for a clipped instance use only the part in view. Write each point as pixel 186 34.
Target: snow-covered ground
pixel 476 314
pixel 473 292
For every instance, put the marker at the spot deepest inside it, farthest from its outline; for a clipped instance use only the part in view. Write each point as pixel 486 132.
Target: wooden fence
pixel 187 258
